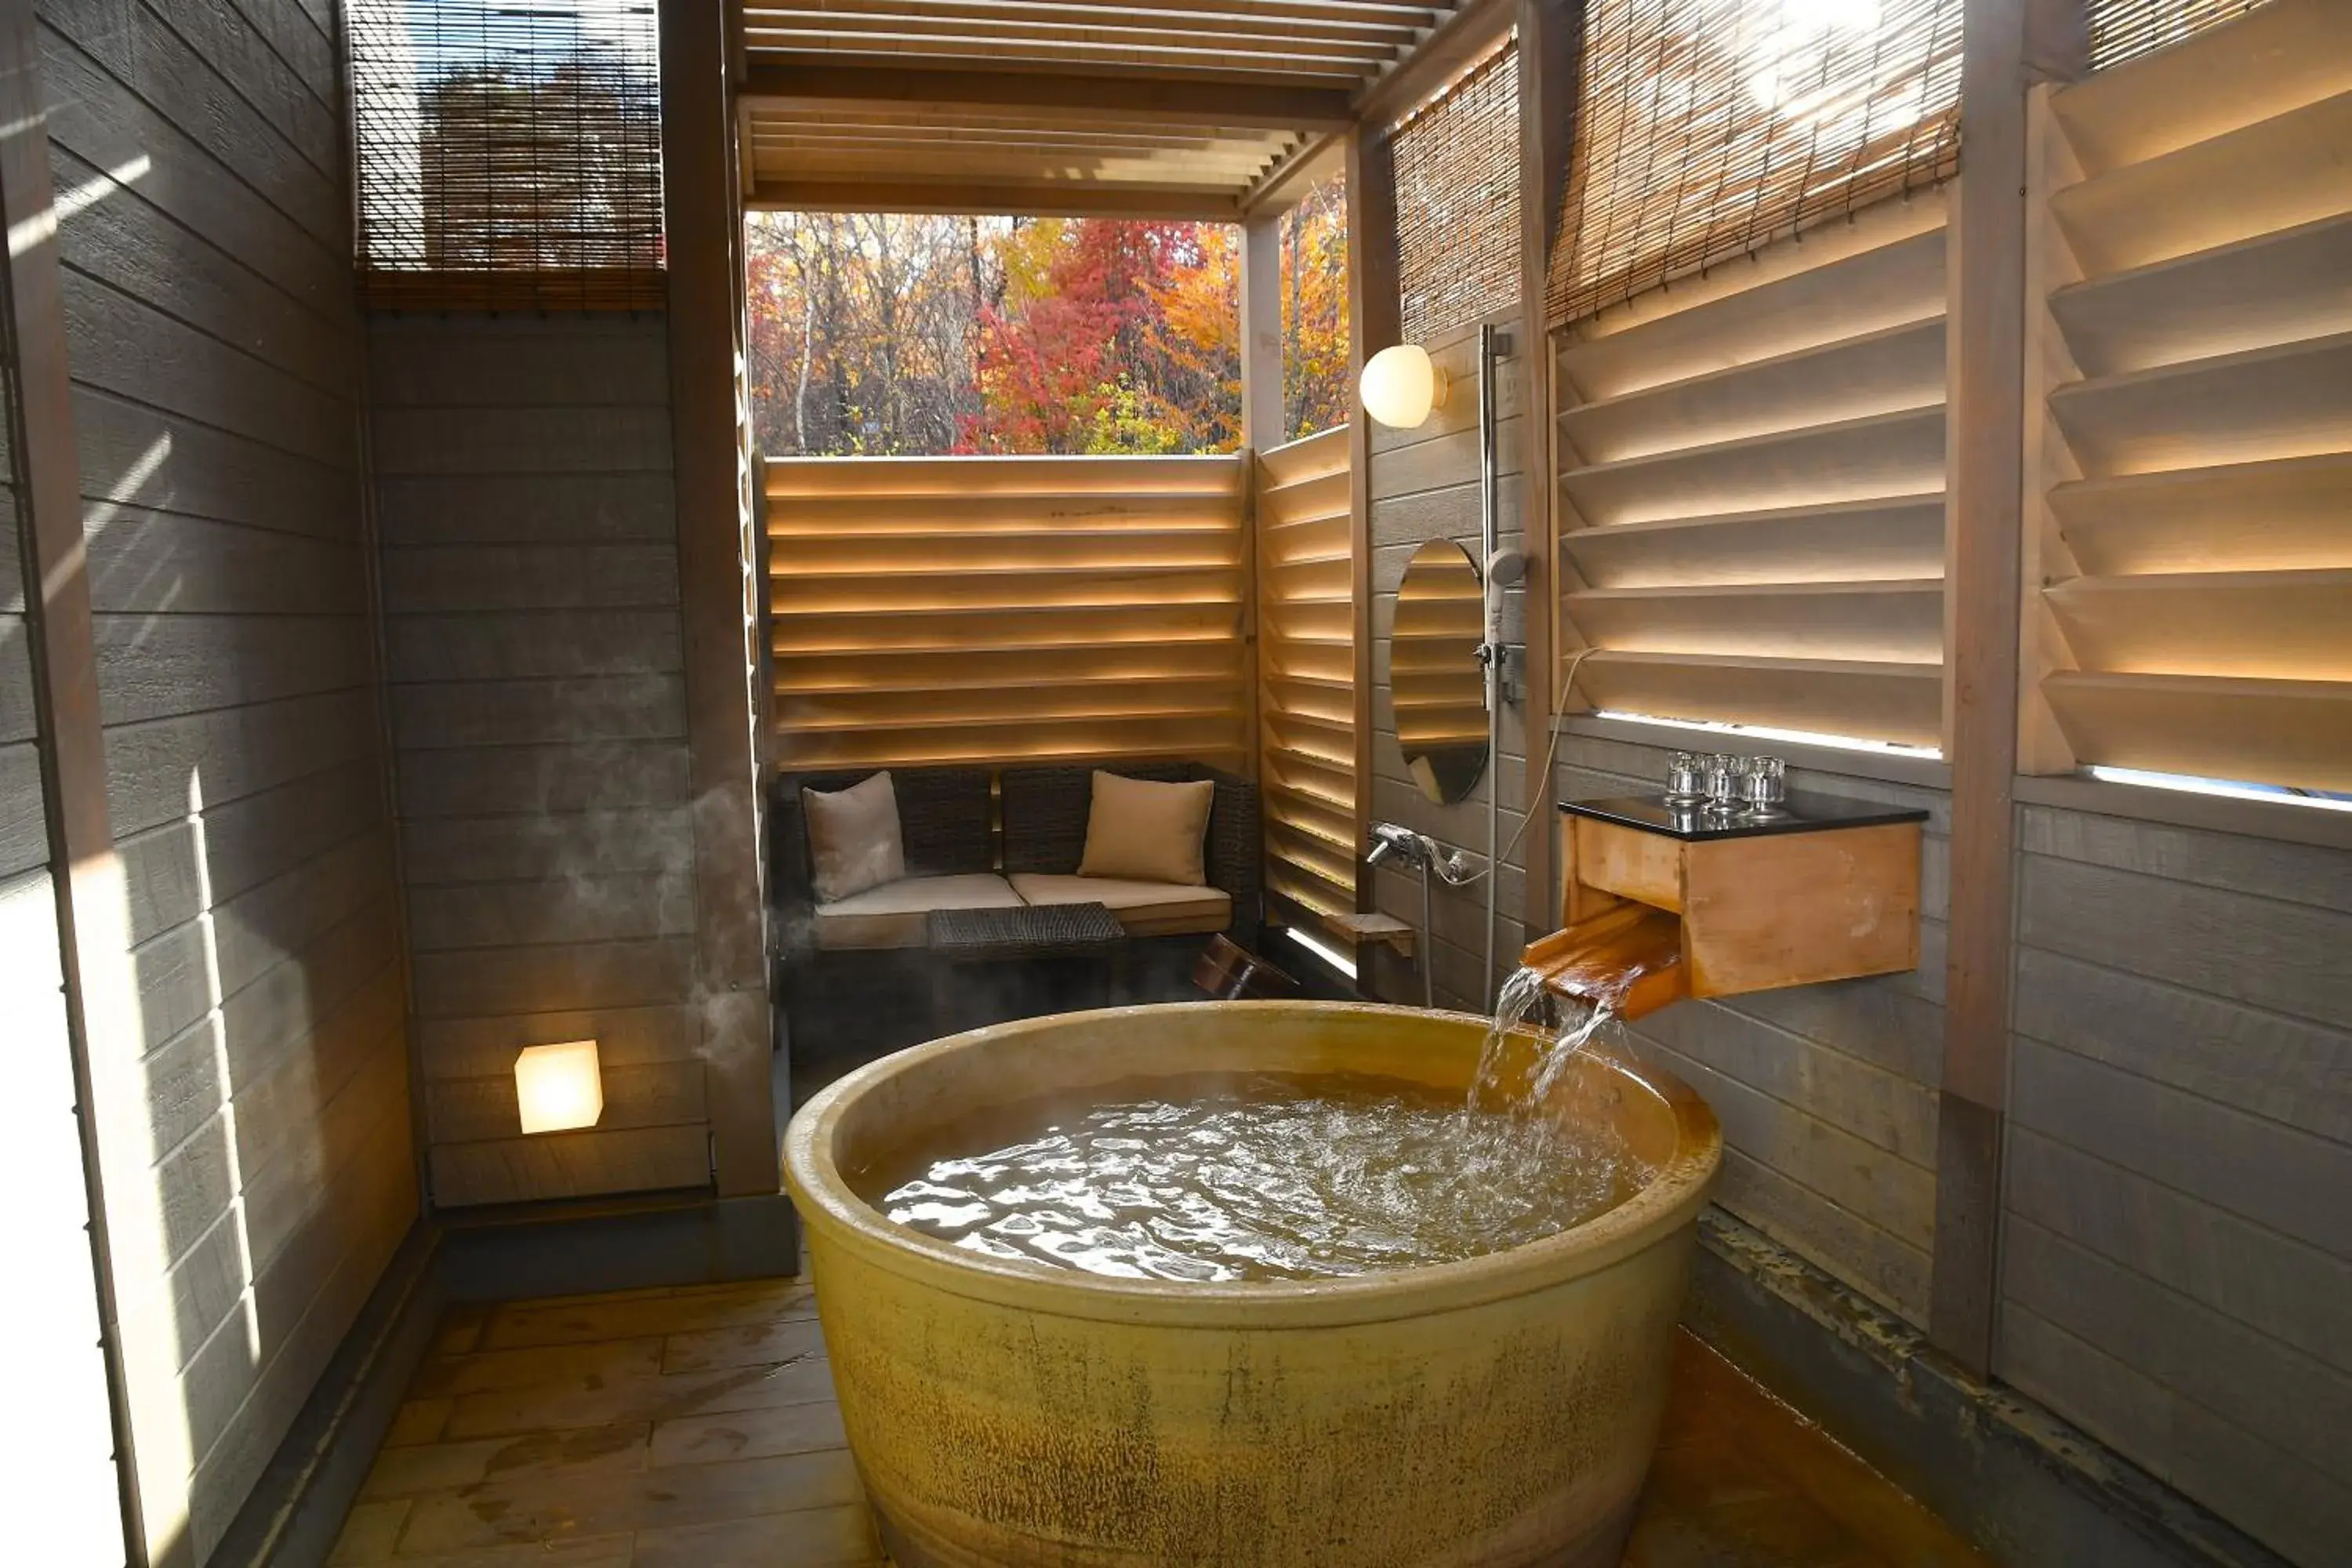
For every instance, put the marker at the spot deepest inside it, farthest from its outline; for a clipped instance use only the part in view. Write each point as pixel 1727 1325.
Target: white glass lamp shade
pixel 559 1086
pixel 1400 385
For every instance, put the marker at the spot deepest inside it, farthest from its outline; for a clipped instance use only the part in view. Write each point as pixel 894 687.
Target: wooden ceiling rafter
pixel 1322 54
pixel 1137 137
pixel 1045 98
pixel 1163 108
pixel 1467 34
pixel 1069 198
pixel 1361 15
pixel 1055 28
pixel 1111 176
pixel 1281 184
pixel 788 159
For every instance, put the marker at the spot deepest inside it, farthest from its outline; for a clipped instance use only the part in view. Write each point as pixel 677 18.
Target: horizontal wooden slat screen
pixel 508 156
pixel 2124 29
pixel 1708 128
pixel 1752 489
pixel 2196 456
pixel 1306 664
pixel 1458 200
pixel 1006 609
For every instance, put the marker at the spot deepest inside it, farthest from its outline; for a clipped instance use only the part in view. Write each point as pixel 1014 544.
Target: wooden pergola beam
pixel 1047 96
pixel 1457 44
pixel 1374 312
pixel 1261 331
pixel 713 548
pixel 1550 44
pixel 1286 185
pixel 2006 46
pixel 964 198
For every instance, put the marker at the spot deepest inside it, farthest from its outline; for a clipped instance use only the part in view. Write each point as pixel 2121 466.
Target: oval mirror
pixel 1435 682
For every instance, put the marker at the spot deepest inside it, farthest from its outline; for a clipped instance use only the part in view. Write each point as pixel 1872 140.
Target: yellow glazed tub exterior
pixel 1497 1412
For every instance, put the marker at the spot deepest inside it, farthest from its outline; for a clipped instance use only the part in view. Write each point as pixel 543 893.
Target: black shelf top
pixel 1804 814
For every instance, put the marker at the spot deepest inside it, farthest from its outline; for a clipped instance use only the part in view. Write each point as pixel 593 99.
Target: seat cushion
pixel 1145 909
pixel 854 842
pixel 1141 831
pixel 892 915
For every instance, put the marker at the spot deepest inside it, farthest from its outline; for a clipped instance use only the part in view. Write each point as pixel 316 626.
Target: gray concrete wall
pixel 67 1478
pixel 2177 1256
pixel 537 702
pixel 1424 486
pixel 200 156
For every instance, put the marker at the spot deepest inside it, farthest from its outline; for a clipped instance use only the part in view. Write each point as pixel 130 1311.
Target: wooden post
pixel 152 1455
pixel 1263 424
pixel 2006 46
pixel 1551 39
pixel 716 585
pixel 1373 323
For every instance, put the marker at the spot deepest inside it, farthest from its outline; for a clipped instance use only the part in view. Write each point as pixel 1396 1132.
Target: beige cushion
pixel 1146 832
pixel 854 842
pixel 892 914
pixel 1145 909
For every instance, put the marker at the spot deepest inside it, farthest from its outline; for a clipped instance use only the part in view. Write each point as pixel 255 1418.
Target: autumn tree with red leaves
pixel 910 334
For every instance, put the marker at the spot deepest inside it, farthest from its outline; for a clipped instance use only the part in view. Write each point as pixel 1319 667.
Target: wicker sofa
pixel 857 976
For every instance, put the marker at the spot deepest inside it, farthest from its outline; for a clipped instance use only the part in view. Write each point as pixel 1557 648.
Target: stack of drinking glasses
pixel 1722 787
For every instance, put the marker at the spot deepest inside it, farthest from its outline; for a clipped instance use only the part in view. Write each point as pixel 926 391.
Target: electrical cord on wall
pixel 1551 743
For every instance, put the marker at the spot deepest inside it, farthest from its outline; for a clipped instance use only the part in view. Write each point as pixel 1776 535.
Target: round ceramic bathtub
pixel 1496 1412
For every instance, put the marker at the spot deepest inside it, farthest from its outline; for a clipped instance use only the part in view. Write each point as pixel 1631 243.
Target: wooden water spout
pixel 1628 960
pixel 1658 903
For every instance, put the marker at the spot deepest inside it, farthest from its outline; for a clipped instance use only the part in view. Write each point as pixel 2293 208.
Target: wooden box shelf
pixel 1659 902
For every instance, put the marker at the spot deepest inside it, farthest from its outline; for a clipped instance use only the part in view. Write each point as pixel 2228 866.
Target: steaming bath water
pixel 1272 1176
pixel 1269 1177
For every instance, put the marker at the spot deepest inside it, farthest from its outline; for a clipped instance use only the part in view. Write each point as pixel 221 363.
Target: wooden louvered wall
pixel 1752 484
pixel 1306 664
pixel 1001 609
pixel 2197 457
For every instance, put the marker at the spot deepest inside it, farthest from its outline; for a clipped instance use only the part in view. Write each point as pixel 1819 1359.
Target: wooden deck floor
pixel 696 1428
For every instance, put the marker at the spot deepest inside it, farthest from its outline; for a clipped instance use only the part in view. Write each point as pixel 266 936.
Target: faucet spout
pixel 1393 838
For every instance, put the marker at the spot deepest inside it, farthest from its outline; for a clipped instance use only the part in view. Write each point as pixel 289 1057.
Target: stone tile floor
pixel 696 1428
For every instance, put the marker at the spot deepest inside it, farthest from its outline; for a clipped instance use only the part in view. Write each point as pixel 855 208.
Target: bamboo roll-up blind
pixel 1457 200
pixel 1006 609
pixel 509 154
pixel 2123 28
pixel 1307 700
pixel 2195 463
pixel 1705 129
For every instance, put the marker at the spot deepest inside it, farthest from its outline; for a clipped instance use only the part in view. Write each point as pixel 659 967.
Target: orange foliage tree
pixel 1122 337
pixel 880 334
pixel 905 334
pixel 1315 365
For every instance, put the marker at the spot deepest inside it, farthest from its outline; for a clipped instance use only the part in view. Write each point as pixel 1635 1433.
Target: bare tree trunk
pixel 808 345
pixel 886 286
pixel 972 258
pixel 836 320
